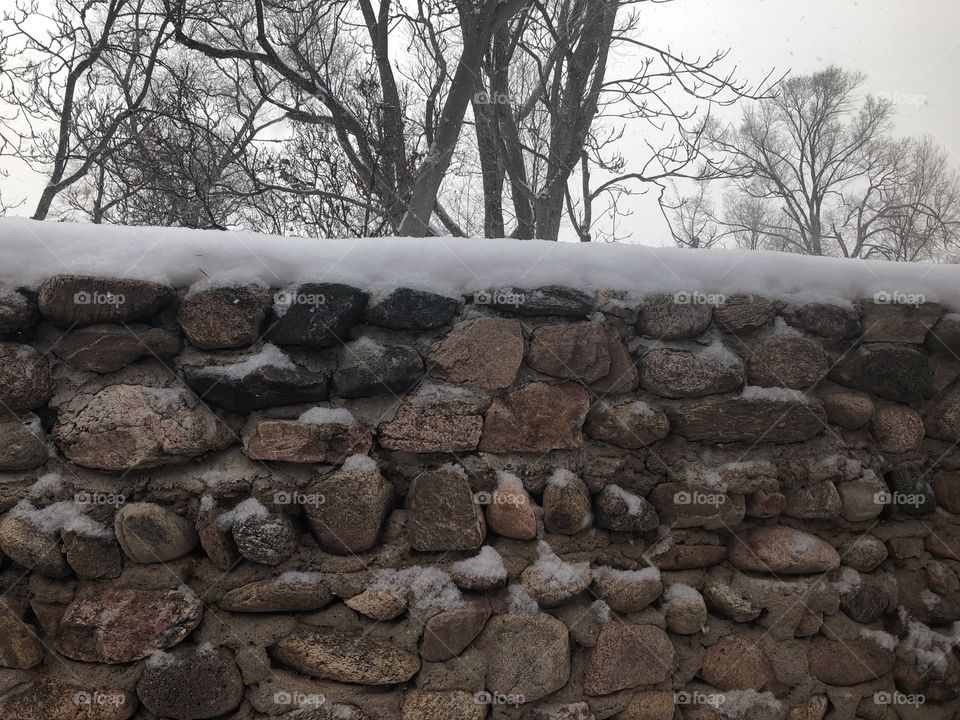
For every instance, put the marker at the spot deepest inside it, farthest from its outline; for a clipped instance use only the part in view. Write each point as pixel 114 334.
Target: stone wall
pixel 530 503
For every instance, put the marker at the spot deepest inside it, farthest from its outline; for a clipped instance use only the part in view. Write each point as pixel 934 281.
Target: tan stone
pixel 225 317
pixel 293 441
pixel 630 425
pixel 24 378
pixel 537 417
pixel 349 509
pixel 649 705
pixel 377 605
pixel 149 533
pixel 19 646
pixel 511 512
pixel 897 428
pixel 626 656
pixel 49 699
pixel 433 424
pixel 850 409
pixel 848 662
pixel 447 634
pixel 527 655
pixel 441 705
pixel 735 663
pixel 485 353
pixel 337 655
pixel 444 515
pixel 781 549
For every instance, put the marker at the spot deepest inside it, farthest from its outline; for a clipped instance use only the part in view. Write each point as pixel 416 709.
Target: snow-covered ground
pixel 32 251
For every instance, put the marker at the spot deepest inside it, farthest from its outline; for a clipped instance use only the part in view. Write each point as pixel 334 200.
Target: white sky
pixel 909 48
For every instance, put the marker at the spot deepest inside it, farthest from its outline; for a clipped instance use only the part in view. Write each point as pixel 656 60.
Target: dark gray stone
pixel 265 539
pixel 894 372
pixel 622 511
pixel 824 319
pixel 552 300
pixel 867 605
pixel 188 686
pixel 367 369
pixel 18 310
pixel 911 492
pixel 317 315
pixel 408 309
pixel 267 386
pixel 752 420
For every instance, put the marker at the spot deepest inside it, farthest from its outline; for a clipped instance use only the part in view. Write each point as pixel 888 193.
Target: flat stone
pixel 511 512
pixel 682 374
pixel 366 369
pixel 537 417
pixel 32 547
pixel 750 419
pixel 76 300
pixel 300 442
pixel 942 419
pixel 443 513
pixel 148 533
pixel 848 662
pixel 337 655
pixel 626 656
pixel 824 319
pixel 819 500
pixel 743 314
pixel 441 705
pixel 946 486
pixel 263 387
pixel 549 300
pixel 785 360
pixel 891 322
pixel 671 317
pixel 447 634
pixel 897 428
pixel 128 427
pixel 781 549
pixel 437 423
pixel 18 311
pixel 49 699
pixel 92 557
pixel 24 378
pixel 630 424
pixel 225 317
pixel 318 315
pixel 566 505
pixel 108 348
pixel 22 443
pixel 204 683
pixel 735 663
pixel 350 509
pixel 622 511
pixel 19 646
pixel 265 539
pixel 627 591
pixel 379 605
pixel 572 351
pixel 484 353
pixel 944 337
pixel 527 655
pixel 121 625
pixel 409 309
pixel 901 373
pixel 289 592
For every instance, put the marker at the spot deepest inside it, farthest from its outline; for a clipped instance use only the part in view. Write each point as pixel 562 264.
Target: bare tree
pixel 692 218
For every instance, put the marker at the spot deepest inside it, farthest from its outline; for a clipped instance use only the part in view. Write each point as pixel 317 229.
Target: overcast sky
pixel 909 48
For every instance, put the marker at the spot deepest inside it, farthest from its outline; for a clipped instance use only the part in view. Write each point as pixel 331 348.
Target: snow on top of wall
pixel 32 251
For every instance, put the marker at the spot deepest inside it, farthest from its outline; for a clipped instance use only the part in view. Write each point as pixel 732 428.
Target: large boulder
pixel 351 506
pixel 266 538
pixel 511 513
pixel 108 348
pixel 901 373
pixel 336 655
pixel 680 373
pixel 409 309
pixel 24 378
pixel 626 656
pixel 76 300
pixel 537 417
pixel 204 683
pixel 129 427
pixel 121 625
pixel 627 591
pixel 769 416
pixel 484 353
pixel 366 368
pixel 527 655
pixel 944 337
pixel 224 317
pixel 781 549
pixel 444 514
pixel 318 315
pixel 572 351
pixel 850 409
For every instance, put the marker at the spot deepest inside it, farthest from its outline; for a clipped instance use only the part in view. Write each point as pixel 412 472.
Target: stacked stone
pixel 324 502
